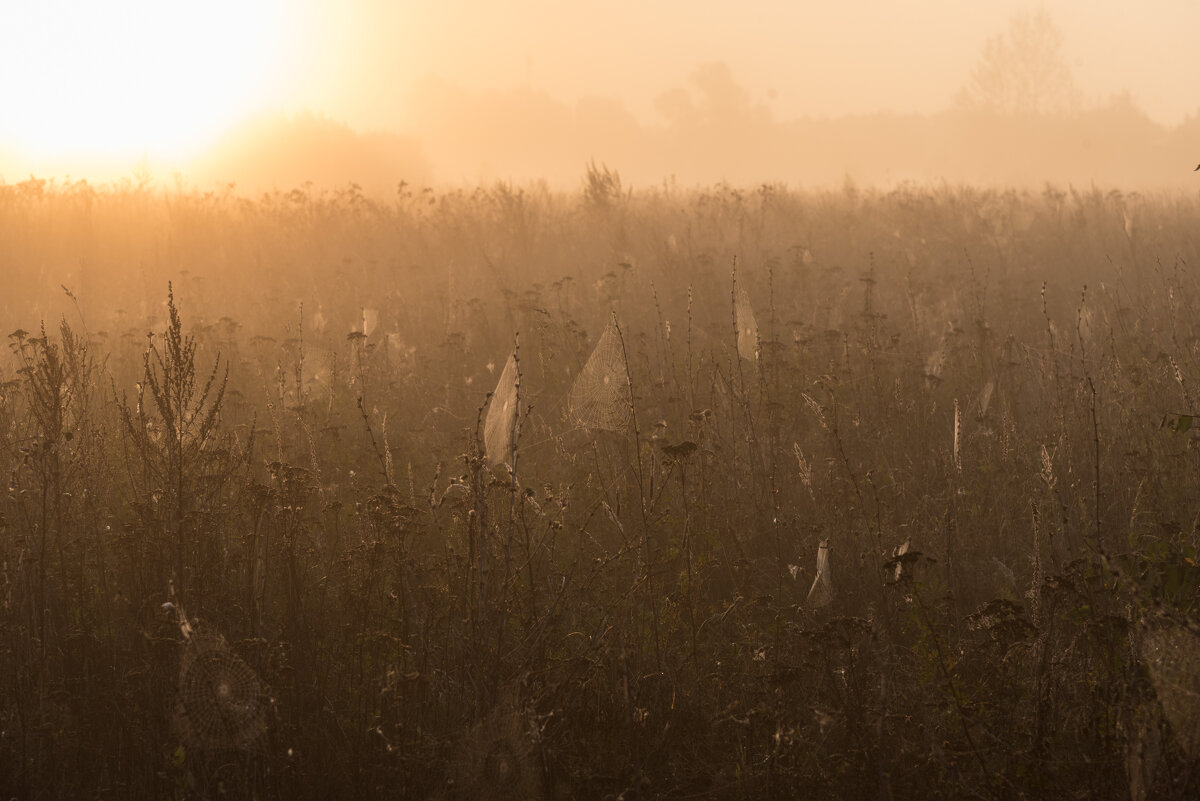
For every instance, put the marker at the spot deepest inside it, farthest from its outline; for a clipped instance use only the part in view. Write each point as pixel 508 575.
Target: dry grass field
pixel 866 494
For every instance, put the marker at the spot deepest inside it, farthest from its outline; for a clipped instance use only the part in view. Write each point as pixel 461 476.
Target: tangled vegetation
pixel 981 400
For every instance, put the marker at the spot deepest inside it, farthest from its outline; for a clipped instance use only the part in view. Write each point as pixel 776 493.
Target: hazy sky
pixel 819 58
pixel 163 78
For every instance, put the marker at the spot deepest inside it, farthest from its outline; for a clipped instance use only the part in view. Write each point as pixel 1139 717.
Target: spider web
pixel 600 396
pixel 218 704
pixel 747 326
pixel 821 593
pixel 501 419
pixel 1172 654
pixel 370 321
pixel 496 759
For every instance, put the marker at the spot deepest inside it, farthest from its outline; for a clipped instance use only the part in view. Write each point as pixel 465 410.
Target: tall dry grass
pixel 1003 380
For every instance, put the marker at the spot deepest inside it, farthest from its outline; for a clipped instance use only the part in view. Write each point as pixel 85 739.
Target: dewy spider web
pixel 821 593
pixel 747 326
pixel 496 759
pixel 218 704
pixel 1172 653
pixel 501 419
pixel 600 397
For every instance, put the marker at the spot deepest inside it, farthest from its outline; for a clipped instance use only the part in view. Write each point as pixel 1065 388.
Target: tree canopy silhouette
pixel 1023 71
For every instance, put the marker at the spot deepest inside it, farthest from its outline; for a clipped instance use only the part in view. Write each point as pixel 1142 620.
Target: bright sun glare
pixel 132 78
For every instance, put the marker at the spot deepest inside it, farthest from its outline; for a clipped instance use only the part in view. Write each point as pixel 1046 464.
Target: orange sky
pixel 820 58
pixel 109 83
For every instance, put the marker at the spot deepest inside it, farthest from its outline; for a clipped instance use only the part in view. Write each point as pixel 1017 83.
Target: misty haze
pixel 599 400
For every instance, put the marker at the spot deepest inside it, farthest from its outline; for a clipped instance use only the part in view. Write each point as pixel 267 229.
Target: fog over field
pixel 272 94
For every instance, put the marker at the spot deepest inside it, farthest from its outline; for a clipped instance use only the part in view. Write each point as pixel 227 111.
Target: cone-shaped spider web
pixel 747 326
pixel 600 397
pixel 821 593
pixel 501 419
pixel 1172 654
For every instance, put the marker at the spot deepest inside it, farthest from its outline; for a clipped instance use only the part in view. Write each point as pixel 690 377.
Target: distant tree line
pixel 1019 118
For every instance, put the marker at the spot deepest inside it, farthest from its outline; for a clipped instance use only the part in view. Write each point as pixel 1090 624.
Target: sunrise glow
pixel 133 78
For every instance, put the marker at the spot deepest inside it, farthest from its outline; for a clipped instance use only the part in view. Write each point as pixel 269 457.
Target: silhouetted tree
pixel 715 98
pixel 1022 71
